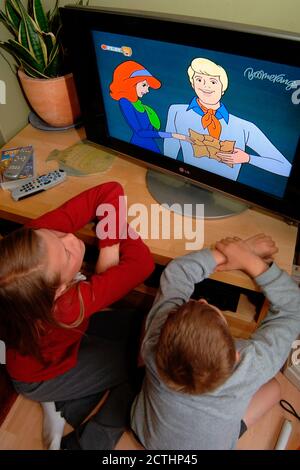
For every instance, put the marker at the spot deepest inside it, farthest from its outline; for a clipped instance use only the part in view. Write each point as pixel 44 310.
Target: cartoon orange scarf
pixel 210 121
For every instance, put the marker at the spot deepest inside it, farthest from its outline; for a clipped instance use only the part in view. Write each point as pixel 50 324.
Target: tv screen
pixel 213 103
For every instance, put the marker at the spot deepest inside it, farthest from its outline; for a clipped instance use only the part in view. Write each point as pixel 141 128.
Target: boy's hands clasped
pixel 251 255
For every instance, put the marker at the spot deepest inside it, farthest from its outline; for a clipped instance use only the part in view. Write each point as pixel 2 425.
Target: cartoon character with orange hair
pixel 131 81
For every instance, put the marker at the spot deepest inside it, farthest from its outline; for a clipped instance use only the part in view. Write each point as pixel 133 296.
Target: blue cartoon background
pixel 265 103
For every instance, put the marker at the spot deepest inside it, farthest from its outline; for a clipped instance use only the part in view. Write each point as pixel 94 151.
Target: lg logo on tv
pixel 2 92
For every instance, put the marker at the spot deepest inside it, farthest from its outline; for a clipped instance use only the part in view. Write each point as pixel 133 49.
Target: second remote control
pixel 39 184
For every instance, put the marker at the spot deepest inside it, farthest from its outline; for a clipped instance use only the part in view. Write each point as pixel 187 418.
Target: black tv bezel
pixel 269 45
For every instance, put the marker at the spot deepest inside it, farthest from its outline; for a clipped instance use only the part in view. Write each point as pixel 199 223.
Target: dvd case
pixel 28 172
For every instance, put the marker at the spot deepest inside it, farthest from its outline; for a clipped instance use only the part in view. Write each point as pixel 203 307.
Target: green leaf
pixel 35 42
pixel 52 37
pixel 8 24
pixel 50 41
pixel 13 16
pixel 54 52
pixel 32 72
pixel 17 5
pixel 43 49
pixel 23 54
pixel 40 17
pixel 52 69
pixel 22 36
pixel 6 47
pixel 24 19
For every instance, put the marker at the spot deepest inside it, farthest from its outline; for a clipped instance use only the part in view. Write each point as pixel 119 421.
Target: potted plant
pixel 37 48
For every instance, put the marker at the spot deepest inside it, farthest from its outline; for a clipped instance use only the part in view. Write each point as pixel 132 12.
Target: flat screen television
pixel 215 104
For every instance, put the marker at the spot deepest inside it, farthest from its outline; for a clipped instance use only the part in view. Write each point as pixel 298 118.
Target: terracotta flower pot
pixel 53 99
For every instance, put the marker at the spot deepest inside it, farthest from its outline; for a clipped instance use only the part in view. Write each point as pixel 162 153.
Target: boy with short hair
pixel 203 388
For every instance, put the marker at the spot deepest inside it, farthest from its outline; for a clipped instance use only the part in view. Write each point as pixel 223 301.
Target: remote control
pixel 18 163
pixel 39 184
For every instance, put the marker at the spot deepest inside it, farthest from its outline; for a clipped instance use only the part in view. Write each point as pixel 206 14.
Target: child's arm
pixel 274 337
pixel 180 276
pixel 271 342
pixel 240 255
pixel 81 209
pixel 261 245
pixel 101 290
pixel 177 284
pixel 109 256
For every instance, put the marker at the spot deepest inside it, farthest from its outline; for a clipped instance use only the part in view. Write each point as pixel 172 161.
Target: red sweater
pixel 59 346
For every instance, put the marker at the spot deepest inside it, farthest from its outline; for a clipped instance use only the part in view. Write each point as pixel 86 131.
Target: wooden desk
pixel 132 177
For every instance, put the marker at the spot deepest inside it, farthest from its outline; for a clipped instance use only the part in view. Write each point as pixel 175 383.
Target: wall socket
pixel 292 367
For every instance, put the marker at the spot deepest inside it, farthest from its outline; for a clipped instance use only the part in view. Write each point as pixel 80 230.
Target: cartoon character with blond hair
pixel 131 81
pixel 206 114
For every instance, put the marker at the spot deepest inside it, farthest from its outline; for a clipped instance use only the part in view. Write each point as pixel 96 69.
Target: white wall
pixel 278 14
pixel 13 114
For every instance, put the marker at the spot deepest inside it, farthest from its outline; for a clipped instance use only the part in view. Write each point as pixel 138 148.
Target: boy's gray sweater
pixel 164 419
